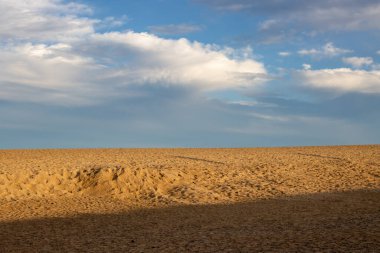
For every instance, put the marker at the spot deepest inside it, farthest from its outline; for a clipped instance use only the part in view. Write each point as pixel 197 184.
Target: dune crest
pixel 187 176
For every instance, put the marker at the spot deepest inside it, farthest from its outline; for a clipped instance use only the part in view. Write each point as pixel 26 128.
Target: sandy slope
pixel 42 184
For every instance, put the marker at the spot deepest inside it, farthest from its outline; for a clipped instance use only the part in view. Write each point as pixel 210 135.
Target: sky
pixel 189 73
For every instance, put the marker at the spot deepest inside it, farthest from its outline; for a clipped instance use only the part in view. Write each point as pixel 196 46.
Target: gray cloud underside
pixel 320 15
pixel 179 117
pixel 174 29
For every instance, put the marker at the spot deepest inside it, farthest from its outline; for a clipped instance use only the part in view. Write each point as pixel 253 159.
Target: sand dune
pixel 188 175
pixel 39 184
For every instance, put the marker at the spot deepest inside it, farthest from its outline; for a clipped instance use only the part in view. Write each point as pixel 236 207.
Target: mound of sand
pixel 185 176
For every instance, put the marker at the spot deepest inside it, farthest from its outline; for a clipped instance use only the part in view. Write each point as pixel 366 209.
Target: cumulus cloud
pixel 46 73
pixel 306 66
pixel 50 52
pixel 174 29
pixel 341 80
pixel 328 50
pixel 111 22
pixel 44 20
pixel 179 62
pixel 358 62
pixel 323 15
pixel 284 53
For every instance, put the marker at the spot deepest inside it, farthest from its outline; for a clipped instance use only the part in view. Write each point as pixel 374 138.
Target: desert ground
pixel 293 199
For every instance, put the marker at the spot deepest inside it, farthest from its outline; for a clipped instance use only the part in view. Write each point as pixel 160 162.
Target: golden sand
pixel 207 200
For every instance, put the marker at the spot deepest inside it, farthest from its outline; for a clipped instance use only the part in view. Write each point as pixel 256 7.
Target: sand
pixel 202 200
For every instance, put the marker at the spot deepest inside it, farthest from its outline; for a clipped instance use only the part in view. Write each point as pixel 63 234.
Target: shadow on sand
pixel 328 222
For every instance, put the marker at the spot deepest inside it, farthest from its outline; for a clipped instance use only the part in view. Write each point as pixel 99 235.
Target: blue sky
pixel 191 73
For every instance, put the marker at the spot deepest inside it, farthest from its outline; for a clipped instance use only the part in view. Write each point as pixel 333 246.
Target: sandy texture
pixel 237 200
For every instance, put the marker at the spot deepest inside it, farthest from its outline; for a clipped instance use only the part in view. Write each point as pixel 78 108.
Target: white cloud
pixel 268 24
pixel 378 52
pixel 341 80
pixel 50 53
pixel 43 20
pixel 284 54
pixel 110 22
pixel 47 73
pixel 358 62
pixel 306 66
pixel 308 51
pixel 179 62
pixel 173 29
pixel 328 50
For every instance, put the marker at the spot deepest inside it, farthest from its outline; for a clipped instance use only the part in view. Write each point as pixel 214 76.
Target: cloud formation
pixel 49 52
pixel 284 53
pixel 358 62
pixel 152 59
pixel 323 15
pixel 341 80
pixel 44 20
pixel 306 66
pixel 328 50
pixel 174 29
